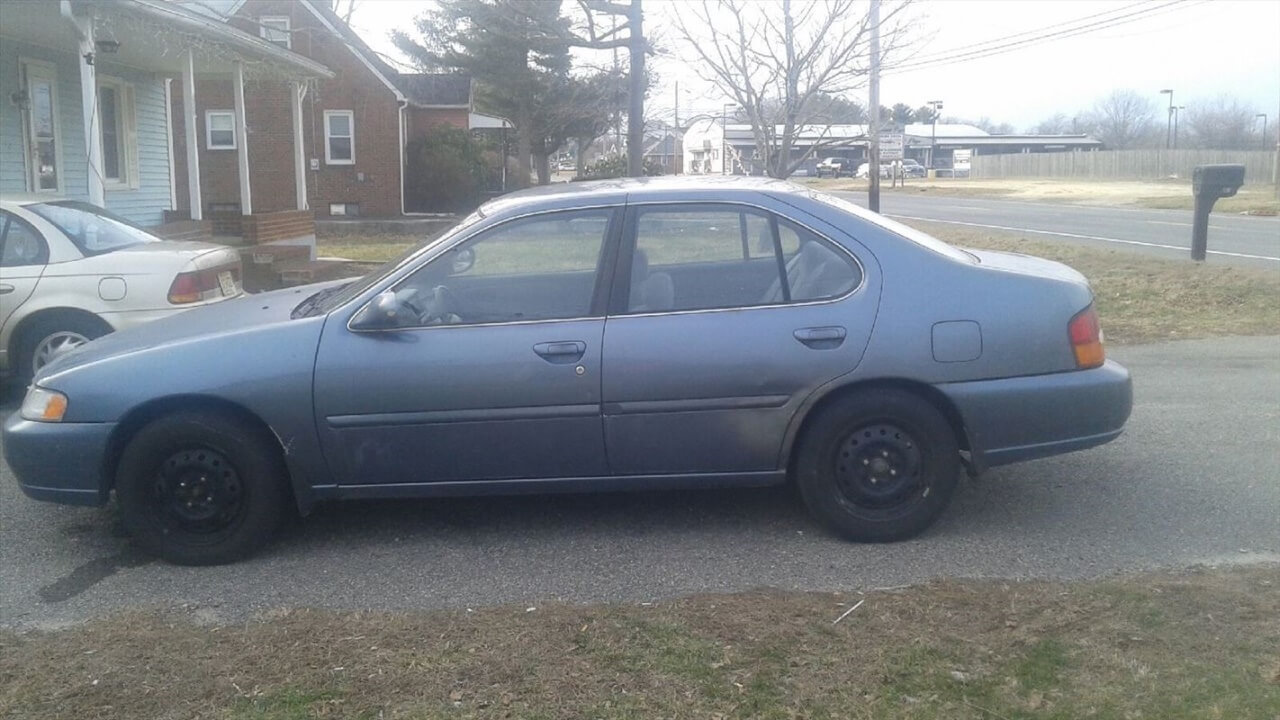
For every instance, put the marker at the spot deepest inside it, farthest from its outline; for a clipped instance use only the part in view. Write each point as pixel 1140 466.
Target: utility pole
pixel 678 151
pixel 873 157
pixel 1168 125
pixel 635 111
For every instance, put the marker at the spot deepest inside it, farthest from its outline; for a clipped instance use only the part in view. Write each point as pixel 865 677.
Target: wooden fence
pixel 1121 164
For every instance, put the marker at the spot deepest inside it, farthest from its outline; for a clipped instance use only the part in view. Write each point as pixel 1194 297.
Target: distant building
pixel 710 148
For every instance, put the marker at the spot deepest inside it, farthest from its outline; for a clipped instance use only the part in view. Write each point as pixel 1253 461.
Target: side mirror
pixel 463 260
pixel 383 312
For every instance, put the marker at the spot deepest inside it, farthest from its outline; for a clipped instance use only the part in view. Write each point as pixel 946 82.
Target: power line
pixel 1047 37
pixel 1056 27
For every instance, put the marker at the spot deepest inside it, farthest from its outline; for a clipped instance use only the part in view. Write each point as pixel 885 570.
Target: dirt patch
pixel 1200 644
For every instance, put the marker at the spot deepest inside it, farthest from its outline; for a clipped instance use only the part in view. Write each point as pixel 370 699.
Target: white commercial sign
pixel 960 159
pixel 891 146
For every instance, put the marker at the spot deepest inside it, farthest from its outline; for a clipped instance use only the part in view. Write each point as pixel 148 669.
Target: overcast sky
pixel 1198 48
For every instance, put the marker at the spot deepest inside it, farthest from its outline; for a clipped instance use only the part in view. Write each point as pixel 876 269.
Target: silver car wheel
pixel 55 345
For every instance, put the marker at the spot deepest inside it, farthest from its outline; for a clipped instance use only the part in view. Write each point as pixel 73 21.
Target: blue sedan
pixel 619 335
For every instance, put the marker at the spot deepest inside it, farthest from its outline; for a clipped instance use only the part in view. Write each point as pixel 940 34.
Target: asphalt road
pixel 1195 479
pixel 1233 239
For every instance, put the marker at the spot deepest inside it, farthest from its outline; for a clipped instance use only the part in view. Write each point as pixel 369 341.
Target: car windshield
pixel 332 297
pixel 92 229
pixel 909 233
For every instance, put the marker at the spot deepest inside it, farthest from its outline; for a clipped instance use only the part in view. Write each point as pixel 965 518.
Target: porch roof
pixel 155 35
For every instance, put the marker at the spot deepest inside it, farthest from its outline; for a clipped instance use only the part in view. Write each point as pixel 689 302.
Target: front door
pixel 44 153
pixel 733 317
pixel 496 376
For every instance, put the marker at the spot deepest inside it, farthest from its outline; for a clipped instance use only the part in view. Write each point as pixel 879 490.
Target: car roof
pixel 617 189
pixel 26 198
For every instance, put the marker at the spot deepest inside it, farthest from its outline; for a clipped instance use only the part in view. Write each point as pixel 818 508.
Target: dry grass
pixel 1176 195
pixel 1140 298
pixel 1203 644
pixel 1146 299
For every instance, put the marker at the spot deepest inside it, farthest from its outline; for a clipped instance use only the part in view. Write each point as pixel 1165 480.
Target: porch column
pixel 298 90
pixel 89 106
pixel 242 139
pixel 193 135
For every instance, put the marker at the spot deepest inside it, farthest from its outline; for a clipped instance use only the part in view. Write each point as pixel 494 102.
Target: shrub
pixel 614 166
pixel 445 171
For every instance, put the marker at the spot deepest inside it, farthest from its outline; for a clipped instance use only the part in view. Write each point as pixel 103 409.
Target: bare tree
pixel 778 62
pixel 344 9
pixel 1223 123
pixel 1057 124
pixel 1123 119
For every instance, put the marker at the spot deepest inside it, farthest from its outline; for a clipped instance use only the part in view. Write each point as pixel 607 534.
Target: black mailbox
pixel 1208 183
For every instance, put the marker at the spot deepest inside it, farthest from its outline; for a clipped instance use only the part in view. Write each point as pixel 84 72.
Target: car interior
pixel 486 281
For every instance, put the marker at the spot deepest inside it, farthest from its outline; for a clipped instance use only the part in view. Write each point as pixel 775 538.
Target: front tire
pixel 48 337
pixel 878 466
pixel 199 488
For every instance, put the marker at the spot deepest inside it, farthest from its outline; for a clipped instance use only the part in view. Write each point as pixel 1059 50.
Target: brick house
pixel 355 124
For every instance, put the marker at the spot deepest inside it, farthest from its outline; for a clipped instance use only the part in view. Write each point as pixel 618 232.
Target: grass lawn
pixel 1170 195
pixel 1140 298
pixel 1204 644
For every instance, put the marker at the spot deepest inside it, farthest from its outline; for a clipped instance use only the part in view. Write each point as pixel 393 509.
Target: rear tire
pixel 47 337
pixel 878 466
pixel 198 488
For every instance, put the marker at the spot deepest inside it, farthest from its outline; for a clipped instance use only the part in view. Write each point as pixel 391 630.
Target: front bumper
pixel 58 462
pixel 1023 418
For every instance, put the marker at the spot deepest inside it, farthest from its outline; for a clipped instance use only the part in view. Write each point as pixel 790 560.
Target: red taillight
pixel 1086 338
pixel 198 285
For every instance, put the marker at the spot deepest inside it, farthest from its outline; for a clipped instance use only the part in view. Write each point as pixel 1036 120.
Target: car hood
pixel 1026 265
pixel 228 318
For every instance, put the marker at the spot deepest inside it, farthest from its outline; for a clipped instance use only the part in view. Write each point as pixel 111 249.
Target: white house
pixel 84 96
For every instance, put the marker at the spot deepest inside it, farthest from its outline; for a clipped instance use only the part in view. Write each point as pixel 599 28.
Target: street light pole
pixel 1177 111
pixel 1168 129
pixel 873 147
pixel 1264 128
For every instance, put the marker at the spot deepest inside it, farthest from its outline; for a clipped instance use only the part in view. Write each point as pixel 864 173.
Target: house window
pixel 116 120
pixel 275 29
pixel 339 137
pixel 220 130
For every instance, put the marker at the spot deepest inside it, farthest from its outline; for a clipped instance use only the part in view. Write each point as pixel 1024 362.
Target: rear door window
pixel 712 256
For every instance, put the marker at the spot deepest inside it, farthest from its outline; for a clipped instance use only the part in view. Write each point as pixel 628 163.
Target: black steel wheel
pixel 200 488
pixel 877 466
pixel 198 491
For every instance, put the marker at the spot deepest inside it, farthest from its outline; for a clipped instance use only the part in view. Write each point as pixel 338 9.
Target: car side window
pixel 701 257
pixel 538 268
pixel 20 244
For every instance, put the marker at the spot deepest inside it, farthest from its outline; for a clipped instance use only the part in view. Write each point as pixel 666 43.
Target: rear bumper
pixel 1023 418
pixel 58 462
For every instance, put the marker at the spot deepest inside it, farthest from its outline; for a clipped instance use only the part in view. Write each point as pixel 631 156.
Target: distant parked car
pixel 864 170
pixel 913 169
pixel 620 334
pixel 834 167
pixel 71 272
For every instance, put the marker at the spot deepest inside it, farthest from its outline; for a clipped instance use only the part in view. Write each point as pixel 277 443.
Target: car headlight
pixel 42 405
